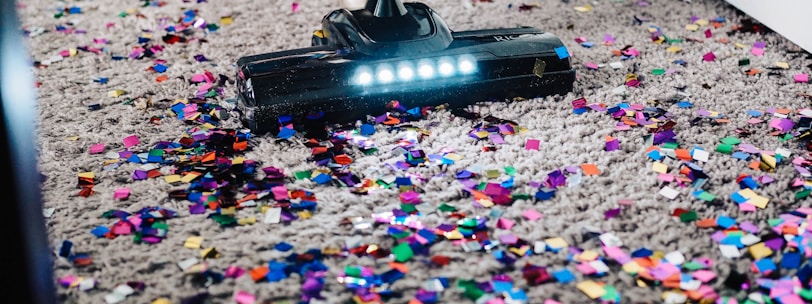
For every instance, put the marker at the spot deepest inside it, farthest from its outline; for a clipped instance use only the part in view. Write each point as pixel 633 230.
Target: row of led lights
pixel 424 69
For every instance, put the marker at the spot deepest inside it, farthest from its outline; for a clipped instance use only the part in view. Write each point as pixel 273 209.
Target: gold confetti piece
pixel 556 242
pixel 701 22
pixel 673 49
pixel 226 20
pixel 116 93
pixel 759 251
pixel 87 175
pixel 782 65
pixel 247 221
pixel 171 179
pixel 591 289
pixel 583 9
pixel 691 27
pixel 193 242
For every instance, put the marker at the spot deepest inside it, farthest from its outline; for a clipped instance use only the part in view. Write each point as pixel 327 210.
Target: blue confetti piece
pixel 734 240
pixel 545 194
pixel 755 113
pixel 502 286
pixel 65 249
pixel 518 295
pixel 322 179
pixel 588 44
pixel 276 275
pixel 655 155
pixel 286 133
pixel 580 111
pixel 765 265
pixel 75 10
pixel 101 80
pixel 725 221
pixel 367 129
pixel 791 259
pixel 563 276
pixel 748 182
pixel 100 231
pixel 562 52
pixel 685 104
pixel 282 246
pixel 160 68
pixel 738 198
pixel 741 155
pixel 642 253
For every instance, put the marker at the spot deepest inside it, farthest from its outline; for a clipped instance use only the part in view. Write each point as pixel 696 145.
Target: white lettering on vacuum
pixel 514 37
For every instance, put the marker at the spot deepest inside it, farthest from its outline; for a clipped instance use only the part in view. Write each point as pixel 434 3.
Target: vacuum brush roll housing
pixel 362 59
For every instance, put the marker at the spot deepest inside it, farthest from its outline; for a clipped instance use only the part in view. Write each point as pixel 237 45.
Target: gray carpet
pixel 79 107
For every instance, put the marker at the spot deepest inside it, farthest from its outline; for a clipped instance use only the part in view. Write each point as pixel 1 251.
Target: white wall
pixel 790 18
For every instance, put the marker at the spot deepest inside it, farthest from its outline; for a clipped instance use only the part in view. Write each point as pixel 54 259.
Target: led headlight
pixel 425 69
pixel 385 73
pixel 363 76
pixel 466 64
pixel 445 67
pixel 405 71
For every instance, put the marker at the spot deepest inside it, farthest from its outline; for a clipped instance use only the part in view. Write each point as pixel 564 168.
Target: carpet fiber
pixel 99 69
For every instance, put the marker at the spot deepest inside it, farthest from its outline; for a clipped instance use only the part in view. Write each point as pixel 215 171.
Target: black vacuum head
pixel 361 60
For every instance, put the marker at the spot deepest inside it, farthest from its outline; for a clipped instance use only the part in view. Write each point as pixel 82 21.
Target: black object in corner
pixel 26 262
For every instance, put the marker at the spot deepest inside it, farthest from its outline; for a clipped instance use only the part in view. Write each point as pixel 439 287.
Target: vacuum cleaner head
pixel 361 60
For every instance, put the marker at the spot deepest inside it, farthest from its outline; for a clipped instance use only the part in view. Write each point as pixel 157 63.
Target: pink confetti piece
pixel 708 33
pixel 704 275
pixel 121 193
pixel 608 39
pixel 532 214
pixel 294 7
pixel 532 144
pixel 709 56
pixel 234 272
pixel 801 78
pixel 130 141
pixel 504 223
pixel 747 207
pixel 591 65
pixel 757 51
pixel 97 148
pixel 243 297
pixel 625 202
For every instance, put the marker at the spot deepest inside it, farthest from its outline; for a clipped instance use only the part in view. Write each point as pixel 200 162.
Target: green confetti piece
pixel 470 290
pixel 674 41
pixel 670 145
pixel 805 293
pixel 224 220
pixel 160 225
pixel 122 14
pixel 302 175
pixel 137 237
pixel 705 196
pixel 370 151
pixel 744 61
pixel 468 223
pixel 402 252
pixel 786 137
pixel 724 148
pixel 689 216
pixel 802 194
pixel 730 140
pixel 774 222
pixel 658 71
pixel 408 208
pixel 692 266
pixel 610 293
pixel 446 208
pixel 212 27
pixel 352 271
pixel 510 170
pixel 520 196
pixel 211 93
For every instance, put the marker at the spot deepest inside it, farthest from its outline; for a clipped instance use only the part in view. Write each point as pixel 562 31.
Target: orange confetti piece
pixel 318 150
pixel 403 268
pixel 755 165
pixel 391 121
pixel 153 173
pixel 208 157
pixel 161 78
pixel 240 146
pixel 259 273
pixel 683 154
pixel 590 169
pixel 706 223
pixel 342 159
pixel 792 230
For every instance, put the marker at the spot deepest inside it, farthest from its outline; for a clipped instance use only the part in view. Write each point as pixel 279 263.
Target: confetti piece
pixel 96 148
pixel 532 144
pixel 709 56
pixel 590 169
pixel 801 78
pixel 115 93
pixel 669 192
pixel 532 214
